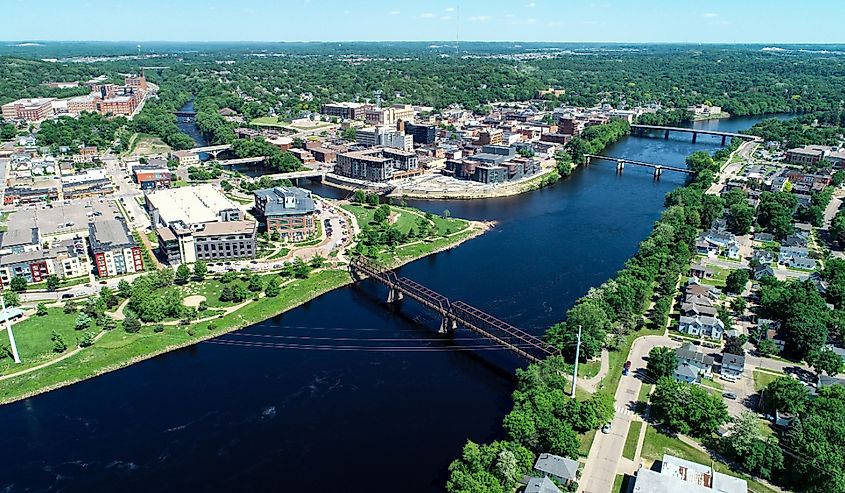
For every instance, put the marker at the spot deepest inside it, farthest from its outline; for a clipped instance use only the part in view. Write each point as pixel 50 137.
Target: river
pixel 352 395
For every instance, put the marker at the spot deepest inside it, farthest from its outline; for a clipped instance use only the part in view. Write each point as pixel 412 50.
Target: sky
pixel 628 21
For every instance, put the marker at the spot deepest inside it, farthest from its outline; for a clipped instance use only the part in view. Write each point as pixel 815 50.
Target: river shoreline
pixel 477 228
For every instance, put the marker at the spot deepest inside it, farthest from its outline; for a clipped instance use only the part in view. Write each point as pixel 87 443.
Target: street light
pixel 9 328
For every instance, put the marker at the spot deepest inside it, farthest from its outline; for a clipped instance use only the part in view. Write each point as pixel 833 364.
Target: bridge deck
pixel 695 130
pixel 520 342
pixel 641 163
pixel 222 147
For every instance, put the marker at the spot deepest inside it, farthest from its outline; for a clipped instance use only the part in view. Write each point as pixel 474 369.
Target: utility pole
pixel 577 355
pixel 9 329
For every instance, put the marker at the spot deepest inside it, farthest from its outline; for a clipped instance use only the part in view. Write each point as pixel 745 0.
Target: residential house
pixel 701 272
pixel 691 356
pixel 703 247
pixel 682 476
pixel 789 255
pixel 692 310
pixel 770 330
pixel 541 485
pixel 710 327
pixel 827 381
pixel 561 469
pixel 733 366
pixel 762 257
pixel 695 289
pixel 762 271
pixel 686 374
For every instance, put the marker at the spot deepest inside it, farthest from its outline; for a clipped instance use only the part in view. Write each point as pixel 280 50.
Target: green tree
pixel 785 394
pixel 11 298
pixel 124 289
pixel 272 289
pixel 662 362
pixel 131 324
pixel 59 345
pixel 200 269
pixel 108 297
pixel 52 282
pixel 825 360
pixel 767 347
pixel 687 408
pixel 300 269
pixel 83 321
pixel 183 274
pixel 255 283
pixel 741 217
pixel 359 197
pixel 736 280
pixel 317 261
pixel 18 284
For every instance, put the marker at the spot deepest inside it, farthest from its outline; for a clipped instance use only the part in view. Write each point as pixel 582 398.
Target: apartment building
pixel 28 109
pixel 377 164
pixel 67 259
pixel 346 111
pixel 212 241
pixel 288 211
pixel 113 248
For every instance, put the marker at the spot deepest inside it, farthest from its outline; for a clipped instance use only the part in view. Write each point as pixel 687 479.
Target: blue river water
pixel 346 393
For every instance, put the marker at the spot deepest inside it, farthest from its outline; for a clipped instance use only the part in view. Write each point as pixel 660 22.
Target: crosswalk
pixel 624 411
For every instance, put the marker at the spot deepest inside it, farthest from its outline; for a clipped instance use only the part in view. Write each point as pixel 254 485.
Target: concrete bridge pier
pixel 587 160
pixel 620 166
pixel 724 139
pixel 666 135
pixel 448 325
pixel 694 137
pixel 394 295
pixel 214 154
pixel 657 172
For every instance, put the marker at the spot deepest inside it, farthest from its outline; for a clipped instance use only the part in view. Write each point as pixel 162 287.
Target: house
pixel 710 327
pixel 770 330
pixel 678 475
pixel 686 373
pixel 692 309
pixel 559 468
pixel 795 240
pixel 827 381
pixel 721 239
pixel 699 301
pixel 733 366
pixel 702 247
pixel 788 255
pixel 762 271
pixel 695 289
pixel 689 355
pixel 762 257
pixel 803 263
pixel 701 272
pixel 541 485
pixel 764 237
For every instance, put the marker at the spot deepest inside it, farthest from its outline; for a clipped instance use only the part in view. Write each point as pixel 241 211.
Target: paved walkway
pixel 592 384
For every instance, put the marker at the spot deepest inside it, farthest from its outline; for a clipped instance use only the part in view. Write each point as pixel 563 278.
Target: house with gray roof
pixel 733 365
pixel 692 356
pixel 541 485
pixel 560 468
pixel 702 325
pixel 678 475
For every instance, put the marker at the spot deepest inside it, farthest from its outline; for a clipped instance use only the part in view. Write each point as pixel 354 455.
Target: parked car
pixel 605 429
pixel 68 296
pixel 729 395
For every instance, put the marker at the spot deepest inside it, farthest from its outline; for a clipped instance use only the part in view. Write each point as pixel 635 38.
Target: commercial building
pixel 678 475
pixel 113 248
pixel 384 136
pixel 191 206
pixel 421 134
pixel 28 109
pixel 377 164
pixel 346 111
pixel 210 241
pixel 152 177
pixel 288 211
pixel 185 158
pixel 199 223
pixel 491 136
pixel 389 115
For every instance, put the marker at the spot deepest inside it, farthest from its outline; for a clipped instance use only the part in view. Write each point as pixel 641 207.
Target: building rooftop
pixel 108 233
pixel 190 205
pixel 556 465
pixel 682 476
pixel 541 485
pixel 282 201
pixel 225 228
pixel 19 237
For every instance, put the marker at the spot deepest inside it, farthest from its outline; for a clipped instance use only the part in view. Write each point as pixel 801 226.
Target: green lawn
pixel 33 338
pixel 761 379
pixel 645 390
pixel 63 283
pixel 589 369
pixel 657 443
pixel 117 348
pixel 268 121
pixel 631 440
pixel 586 440
pixel 709 382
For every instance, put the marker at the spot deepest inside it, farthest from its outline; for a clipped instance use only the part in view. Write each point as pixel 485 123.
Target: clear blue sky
pixel 711 21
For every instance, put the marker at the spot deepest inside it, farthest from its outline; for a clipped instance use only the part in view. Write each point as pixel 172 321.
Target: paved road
pixel 606 452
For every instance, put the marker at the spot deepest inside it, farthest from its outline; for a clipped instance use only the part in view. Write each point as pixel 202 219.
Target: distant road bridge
pixel 214 150
pixel 295 175
pixel 621 162
pixel 454 313
pixel 242 160
pixel 694 131
pixel 187 114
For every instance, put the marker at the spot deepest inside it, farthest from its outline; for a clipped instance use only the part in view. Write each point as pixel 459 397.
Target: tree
pixel 738 305
pixel 300 269
pixel 595 325
pixel 183 274
pixel 381 214
pixel 746 445
pixel 228 277
pixel 736 281
pixel 83 321
pixel 767 347
pixel 317 261
pixel 348 133
pixel 41 310
pixel 687 408
pixel 131 324
pixel 662 362
pixel 108 298
pixel 825 360
pixel 11 298
pixel 52 282
pixel 785 394
pixel 272 289
pixel 18 284
pixel 734 345
pixel 741 217
pixel 124 289
pixel 255 283
pixel 200 269
pixel 372 199
pixel 359 197
pixel 59 345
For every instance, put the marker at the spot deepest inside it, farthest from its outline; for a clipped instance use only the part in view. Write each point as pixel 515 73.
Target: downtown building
pixel 113 248
pixel 288 211
pixel 377 164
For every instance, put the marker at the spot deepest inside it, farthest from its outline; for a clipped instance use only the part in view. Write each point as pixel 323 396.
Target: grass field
pixel 631 440
pixel 761 379
pixel 269 121
pixel 143 144
pixel 33 338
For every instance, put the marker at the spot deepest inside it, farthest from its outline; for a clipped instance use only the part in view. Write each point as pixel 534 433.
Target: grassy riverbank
pixel 44 369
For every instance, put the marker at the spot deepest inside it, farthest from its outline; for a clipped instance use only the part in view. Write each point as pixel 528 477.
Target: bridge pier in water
pixel 394 295
pixel 620 166
pixel 448 325
pixel 724 139
pixel 658 170
pixel 694 137
pixel 666 135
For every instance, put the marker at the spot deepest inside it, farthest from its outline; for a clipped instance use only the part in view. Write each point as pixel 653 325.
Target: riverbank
pixel 115 349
